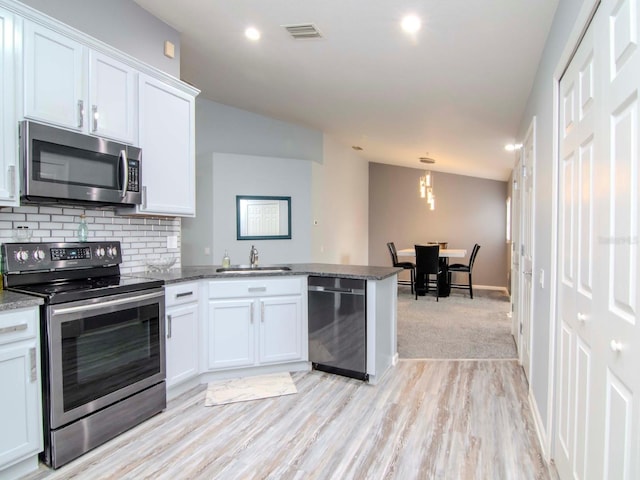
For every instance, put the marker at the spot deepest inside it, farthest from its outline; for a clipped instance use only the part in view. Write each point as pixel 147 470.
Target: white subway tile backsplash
pixel 141 238
pixel 51 210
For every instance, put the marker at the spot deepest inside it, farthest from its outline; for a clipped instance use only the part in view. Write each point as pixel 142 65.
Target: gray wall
pixel 223 176
pixel 540 104
pixel 122 24
pixel 468 210
pixel 336 179
pixel 220 128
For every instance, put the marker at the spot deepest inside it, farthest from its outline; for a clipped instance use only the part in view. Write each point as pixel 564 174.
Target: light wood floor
pixel 427 419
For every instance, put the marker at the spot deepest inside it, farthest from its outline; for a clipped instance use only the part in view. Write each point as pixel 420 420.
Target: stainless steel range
pixel 102 337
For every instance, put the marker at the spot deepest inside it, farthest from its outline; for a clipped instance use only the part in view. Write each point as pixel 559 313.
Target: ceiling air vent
pixel 303 30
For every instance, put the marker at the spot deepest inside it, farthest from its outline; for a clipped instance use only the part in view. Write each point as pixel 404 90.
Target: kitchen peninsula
pixel 246 323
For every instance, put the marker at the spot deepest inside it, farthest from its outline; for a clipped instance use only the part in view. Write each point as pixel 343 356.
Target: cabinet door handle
pixel 168 326
pixel 34 369
pixel 12 180
pixel 262 312
pixel 183 294
pixel 13 328
pixel 80 113
pixel 257 289
pixel 94 117
pixel 252 313
pixel 144 197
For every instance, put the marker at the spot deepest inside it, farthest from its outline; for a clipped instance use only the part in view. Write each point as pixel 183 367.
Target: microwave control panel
pixel 134 176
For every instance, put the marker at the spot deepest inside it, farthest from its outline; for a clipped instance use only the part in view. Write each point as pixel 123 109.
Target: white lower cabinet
pixel 181 332
pixel 253 322
pixel 280 329
pixel 231 333
pixel 21 400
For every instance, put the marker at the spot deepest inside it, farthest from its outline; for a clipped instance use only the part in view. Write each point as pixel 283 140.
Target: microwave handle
pixel 125 166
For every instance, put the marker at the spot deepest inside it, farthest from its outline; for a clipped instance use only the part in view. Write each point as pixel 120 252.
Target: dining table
pixel 445 254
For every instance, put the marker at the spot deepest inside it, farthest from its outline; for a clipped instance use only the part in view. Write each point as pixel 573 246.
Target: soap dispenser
pixel 226 261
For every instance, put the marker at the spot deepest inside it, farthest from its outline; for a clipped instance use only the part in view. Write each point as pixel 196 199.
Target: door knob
pixel 616 346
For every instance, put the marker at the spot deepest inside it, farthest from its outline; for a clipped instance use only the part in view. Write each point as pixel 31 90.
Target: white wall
pixel 231 175
pixel 340 193
pixel 123 24
pixel 540 104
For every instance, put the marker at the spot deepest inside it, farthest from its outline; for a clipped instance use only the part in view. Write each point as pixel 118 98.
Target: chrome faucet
pixel 253 256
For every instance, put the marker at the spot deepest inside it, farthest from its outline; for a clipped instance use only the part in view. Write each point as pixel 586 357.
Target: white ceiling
pixel 455 91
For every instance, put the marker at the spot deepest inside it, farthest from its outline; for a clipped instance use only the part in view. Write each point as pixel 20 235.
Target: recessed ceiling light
pixel 252 33
pixel 411 24
pixel 357 148
pixel 511 147
pixel 427 160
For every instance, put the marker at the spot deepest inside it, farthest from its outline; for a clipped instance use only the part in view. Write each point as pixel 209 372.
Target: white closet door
pixel 598 339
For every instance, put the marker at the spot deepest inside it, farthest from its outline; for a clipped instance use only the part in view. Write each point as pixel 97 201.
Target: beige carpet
pixel 456 327
pixel 249 388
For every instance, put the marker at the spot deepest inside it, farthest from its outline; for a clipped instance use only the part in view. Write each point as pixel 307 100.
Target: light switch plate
pixel 172 241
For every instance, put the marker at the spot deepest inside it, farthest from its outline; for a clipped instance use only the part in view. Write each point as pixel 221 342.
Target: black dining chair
pixel 462 268
pixel 406 265
pixel 427 264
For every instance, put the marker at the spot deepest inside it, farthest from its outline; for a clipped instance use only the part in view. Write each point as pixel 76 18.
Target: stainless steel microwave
pixel 68 167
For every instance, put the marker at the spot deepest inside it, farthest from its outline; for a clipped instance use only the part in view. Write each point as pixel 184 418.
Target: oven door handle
pixel 107 303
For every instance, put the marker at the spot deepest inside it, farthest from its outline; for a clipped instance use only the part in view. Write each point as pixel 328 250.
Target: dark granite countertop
pixel 13 300
pixel 202 272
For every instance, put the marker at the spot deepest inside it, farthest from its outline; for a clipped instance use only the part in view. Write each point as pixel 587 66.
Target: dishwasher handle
pixel 347 291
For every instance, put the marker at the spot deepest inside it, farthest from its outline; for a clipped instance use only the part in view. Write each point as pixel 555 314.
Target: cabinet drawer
pixel 18 324
pixel 181 293
pixel 258 287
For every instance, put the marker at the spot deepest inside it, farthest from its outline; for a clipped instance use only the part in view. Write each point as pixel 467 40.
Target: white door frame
pixel 527 268
pixel 582 22
pixel 515 252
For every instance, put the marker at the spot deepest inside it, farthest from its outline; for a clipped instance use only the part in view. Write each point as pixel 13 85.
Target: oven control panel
pixel 30 257
pixel 80 253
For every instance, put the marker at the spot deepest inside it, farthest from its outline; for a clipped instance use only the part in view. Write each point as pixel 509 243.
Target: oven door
pixel 102 350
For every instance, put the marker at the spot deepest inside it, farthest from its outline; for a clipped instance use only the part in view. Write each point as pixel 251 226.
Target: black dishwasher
pixel 338 326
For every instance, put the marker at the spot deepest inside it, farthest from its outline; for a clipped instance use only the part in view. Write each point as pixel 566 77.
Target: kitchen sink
pixel 248 269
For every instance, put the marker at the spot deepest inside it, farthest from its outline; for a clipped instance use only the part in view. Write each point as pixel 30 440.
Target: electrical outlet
pixel 172 241
pixel 207 251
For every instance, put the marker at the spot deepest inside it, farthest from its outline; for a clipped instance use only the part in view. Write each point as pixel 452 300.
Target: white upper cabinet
pixel 167 139
pixel 65 78
pixel 54 76
pixel 112 95
pixel 8 130
pixel 67 84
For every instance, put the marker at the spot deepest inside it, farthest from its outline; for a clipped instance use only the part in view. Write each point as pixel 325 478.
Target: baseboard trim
pixel 491 287
pixel 539 426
